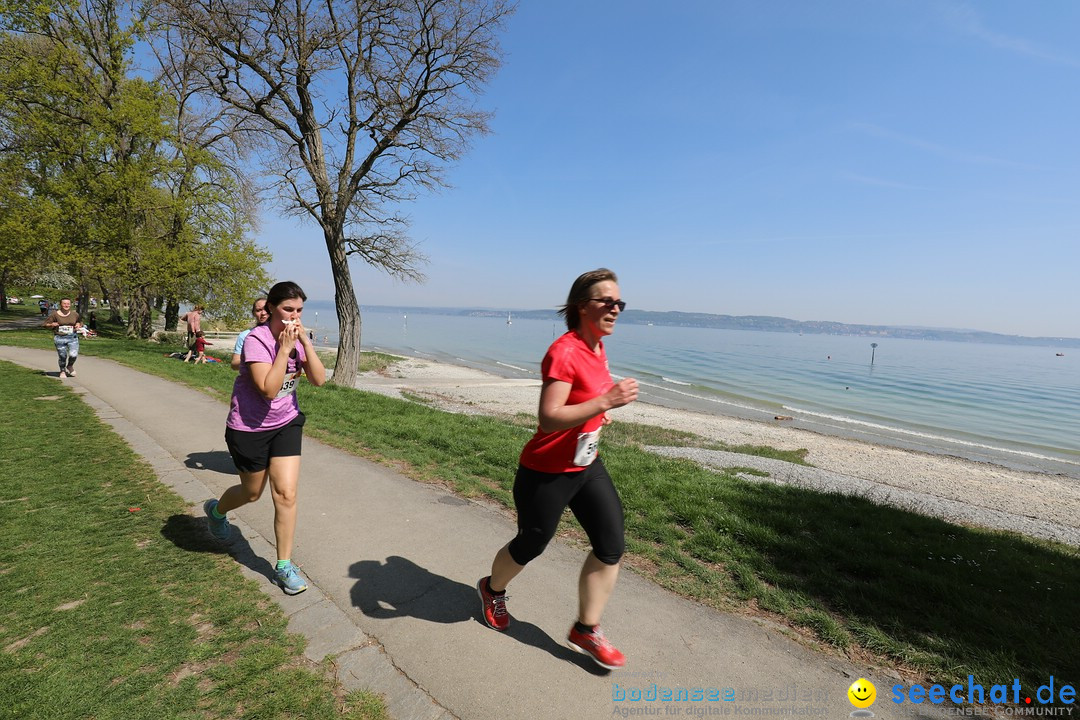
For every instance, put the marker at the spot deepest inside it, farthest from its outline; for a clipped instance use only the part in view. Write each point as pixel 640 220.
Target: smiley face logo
pixel 862 693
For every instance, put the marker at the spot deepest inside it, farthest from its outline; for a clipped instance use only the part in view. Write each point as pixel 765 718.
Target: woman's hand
pixel 622 393
pixel 289 336
pixel 313 365
pixel 555 414
pixel 304 338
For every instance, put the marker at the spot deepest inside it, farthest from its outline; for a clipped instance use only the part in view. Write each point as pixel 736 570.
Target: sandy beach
pixel 958 490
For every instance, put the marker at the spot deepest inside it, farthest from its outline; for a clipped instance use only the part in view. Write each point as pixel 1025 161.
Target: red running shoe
pixel 492 607
pixel 595 645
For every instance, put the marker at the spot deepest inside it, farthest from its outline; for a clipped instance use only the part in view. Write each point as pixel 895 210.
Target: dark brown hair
pixel 579 294
pixel 285 290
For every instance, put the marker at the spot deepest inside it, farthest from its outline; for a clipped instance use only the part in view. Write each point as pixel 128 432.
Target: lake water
pixel 1008 404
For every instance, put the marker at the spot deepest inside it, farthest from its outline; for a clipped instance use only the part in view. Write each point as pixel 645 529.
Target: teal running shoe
pixel 220 529
pixel 289 580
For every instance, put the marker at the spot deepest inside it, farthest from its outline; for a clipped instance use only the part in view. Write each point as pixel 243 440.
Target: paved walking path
pixel 393 563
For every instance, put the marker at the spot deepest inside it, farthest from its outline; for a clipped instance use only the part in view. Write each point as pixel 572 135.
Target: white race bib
pixel 65 329
pixel 587 445
pixel 288 387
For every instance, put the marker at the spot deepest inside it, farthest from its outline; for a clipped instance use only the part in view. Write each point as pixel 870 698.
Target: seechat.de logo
pixel 973 692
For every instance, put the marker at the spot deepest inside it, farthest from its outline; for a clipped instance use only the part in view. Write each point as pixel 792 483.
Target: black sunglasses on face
pixel 609 304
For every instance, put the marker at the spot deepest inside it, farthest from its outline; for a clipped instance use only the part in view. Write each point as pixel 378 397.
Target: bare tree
pixel 359 105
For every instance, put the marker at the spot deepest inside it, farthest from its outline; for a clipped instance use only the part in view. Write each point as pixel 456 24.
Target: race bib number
pixel 288 387
pixel 587 445
pixel 65 329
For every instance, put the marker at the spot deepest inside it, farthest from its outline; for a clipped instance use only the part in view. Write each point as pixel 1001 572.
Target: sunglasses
pixel 609 304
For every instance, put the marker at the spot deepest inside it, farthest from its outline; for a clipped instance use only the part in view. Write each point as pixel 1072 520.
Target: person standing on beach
pixel 258 311
pixel 264 430
pixel 65 325
pixel 193 319
pixel 560 467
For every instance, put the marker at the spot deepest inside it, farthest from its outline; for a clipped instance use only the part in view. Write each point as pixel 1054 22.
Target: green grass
pixel 930 598
pixel 17 312
pixel 116 605
pixel 376 361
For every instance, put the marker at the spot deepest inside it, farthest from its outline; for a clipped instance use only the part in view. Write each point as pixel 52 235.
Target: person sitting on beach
pixel 560 466
pixel 199 348
pixel 258 311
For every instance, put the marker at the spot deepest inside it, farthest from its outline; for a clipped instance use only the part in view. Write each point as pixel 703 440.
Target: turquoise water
pixel 1007 404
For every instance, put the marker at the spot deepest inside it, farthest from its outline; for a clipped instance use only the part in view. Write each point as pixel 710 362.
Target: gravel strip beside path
pixel 785 473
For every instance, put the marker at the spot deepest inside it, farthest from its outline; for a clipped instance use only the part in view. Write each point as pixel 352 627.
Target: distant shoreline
pixel 760 323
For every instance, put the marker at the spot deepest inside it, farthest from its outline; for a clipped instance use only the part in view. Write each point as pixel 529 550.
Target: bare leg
pixel 595 584
pixel 249 490
pixel 284 479
pixel 503 569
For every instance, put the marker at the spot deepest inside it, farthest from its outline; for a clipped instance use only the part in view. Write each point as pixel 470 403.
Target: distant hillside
pixel 759 322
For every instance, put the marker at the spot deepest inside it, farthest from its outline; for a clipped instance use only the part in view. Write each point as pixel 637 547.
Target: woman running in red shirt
pixel 560 466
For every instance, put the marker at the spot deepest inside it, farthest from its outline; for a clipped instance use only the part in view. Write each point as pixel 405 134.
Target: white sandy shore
pixel 1040 505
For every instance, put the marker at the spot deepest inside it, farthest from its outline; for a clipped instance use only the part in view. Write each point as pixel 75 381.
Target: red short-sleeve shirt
pixel 571 361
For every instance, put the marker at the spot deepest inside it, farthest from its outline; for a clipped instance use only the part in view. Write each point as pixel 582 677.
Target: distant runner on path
pixel 65 326
pixel 265 427
pixel 560 467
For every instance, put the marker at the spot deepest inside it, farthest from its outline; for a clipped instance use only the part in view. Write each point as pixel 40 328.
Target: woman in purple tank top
pixel 264 430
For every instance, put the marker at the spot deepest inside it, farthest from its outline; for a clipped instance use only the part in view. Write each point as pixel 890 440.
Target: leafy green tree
pixel 27 223
pixel 145 211
pixel 28 226
pixel 94 132
pixel 213 204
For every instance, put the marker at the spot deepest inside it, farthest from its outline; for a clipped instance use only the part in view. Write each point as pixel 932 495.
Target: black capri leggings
pixel 540 499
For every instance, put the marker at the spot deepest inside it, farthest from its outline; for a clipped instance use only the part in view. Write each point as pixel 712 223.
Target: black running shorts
pixel 540 499
pixel 251 451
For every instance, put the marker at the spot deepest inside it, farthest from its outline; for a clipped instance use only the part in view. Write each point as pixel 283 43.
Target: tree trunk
pixel 140 323
pixel 172 314
pixel 348 311
pixel 115 301
pixel 3 291
pixel 83 301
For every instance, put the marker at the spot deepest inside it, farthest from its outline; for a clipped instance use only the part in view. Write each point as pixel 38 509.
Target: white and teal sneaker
pixel 220 529
pixel 289 579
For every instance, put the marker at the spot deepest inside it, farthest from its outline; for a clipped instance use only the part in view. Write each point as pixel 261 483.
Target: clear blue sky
pixel 901 162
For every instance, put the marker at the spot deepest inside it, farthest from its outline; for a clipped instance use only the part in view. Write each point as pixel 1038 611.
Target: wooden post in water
pixel 873 349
